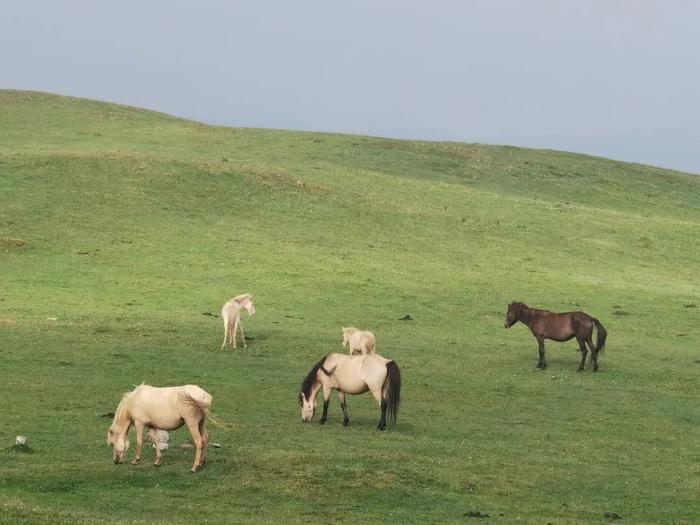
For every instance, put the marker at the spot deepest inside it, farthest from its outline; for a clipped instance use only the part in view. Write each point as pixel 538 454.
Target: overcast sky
pixel 616 78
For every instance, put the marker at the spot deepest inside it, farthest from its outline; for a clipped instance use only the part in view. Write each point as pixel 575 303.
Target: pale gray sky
pixel 617 78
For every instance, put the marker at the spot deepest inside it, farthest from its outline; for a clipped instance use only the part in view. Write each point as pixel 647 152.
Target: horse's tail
pixel 203 405
pixel 393 398
pixel 218 423
pixel 602 335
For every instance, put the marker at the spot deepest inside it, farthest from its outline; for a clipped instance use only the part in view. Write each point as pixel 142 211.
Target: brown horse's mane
pixel 310 380
pixel 527 315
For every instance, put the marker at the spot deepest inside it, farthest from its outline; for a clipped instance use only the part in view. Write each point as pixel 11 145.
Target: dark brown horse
pixel 559 327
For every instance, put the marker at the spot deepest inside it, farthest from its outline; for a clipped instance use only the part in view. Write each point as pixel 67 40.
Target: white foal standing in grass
pixel 358 341
pixel 231 315
pixel 165 408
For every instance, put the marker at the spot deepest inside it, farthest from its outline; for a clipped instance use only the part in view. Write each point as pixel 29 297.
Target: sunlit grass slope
pixel 121 230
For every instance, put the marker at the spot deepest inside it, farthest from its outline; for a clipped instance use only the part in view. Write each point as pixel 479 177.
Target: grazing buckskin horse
pixel 359 341
pixel 231 315
pixel 559 327
pixel 165 408
pixel 352 375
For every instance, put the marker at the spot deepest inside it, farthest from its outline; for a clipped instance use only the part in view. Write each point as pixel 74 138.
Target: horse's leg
pixel 541 363
pixel 346 419
pixel 232 336
pixel 234 333
pixel 594 353
pixel 381 399
pixel 139 442
pixel 197 438
pixel 240 327
pixel 582 346
pixel 326 401
pixel 205 440
pixel 223 345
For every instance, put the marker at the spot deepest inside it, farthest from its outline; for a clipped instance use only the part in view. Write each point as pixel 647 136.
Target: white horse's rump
pixel 358 341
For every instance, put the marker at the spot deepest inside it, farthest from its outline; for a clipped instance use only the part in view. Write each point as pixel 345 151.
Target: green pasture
pixel 123 231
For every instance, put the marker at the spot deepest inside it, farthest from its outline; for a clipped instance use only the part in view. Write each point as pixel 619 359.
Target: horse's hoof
pixel 156 464
pixel 346 422
pixel 322 421
pixel 135 461
pixel 579 370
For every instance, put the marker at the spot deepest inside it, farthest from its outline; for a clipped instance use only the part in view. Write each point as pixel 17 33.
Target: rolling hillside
pixel 123 231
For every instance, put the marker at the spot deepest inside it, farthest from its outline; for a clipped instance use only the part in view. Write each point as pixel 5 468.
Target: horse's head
pixel 512 314
pixel 249 307
pixel 347 332
pixel 308 406
pixel 246 301
pixel 119 441
pixel 309 388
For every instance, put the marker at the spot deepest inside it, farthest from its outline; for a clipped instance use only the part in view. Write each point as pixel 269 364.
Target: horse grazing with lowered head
pixel 358 341
pixel 352 375
pixel 559 327
pixel 231 315
pixel 165 408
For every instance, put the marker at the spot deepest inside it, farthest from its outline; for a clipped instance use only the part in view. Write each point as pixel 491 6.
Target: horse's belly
pixel 164 422
pixel 353 387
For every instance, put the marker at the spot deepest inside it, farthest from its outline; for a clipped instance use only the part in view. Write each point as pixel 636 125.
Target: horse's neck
pixel 123 421
pixel 314 389
pixel 529 315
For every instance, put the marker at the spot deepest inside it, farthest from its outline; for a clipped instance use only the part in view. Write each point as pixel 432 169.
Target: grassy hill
pixel 121 230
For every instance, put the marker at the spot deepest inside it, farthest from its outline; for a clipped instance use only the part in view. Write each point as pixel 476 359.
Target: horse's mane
pixel 310 380
pixel 350 329
pixel 526 314
pixel 122 404
pixel 242 297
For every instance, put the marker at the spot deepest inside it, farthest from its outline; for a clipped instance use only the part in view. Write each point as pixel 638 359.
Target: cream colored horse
pixel 231 314
pixel 352 375
pixel 165 408
pixel 358 341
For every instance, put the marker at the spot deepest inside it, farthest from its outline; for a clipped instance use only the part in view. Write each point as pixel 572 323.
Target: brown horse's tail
pixel 393 398
pixel 602 335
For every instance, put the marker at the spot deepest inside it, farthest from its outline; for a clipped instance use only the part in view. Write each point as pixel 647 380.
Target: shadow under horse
pixel 559 327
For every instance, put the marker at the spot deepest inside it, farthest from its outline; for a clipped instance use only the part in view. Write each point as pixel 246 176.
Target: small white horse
pixel 165 408
pixel 358 341
pixel 231 315
pixel 352 375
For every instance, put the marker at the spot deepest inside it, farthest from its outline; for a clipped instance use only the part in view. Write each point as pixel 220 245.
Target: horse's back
pixel 152 402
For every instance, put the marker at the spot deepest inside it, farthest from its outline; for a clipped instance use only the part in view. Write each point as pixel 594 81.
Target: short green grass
pixel 122 229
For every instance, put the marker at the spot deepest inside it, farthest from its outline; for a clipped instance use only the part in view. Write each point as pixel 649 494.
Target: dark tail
pixel 602 335
pixel 393 398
